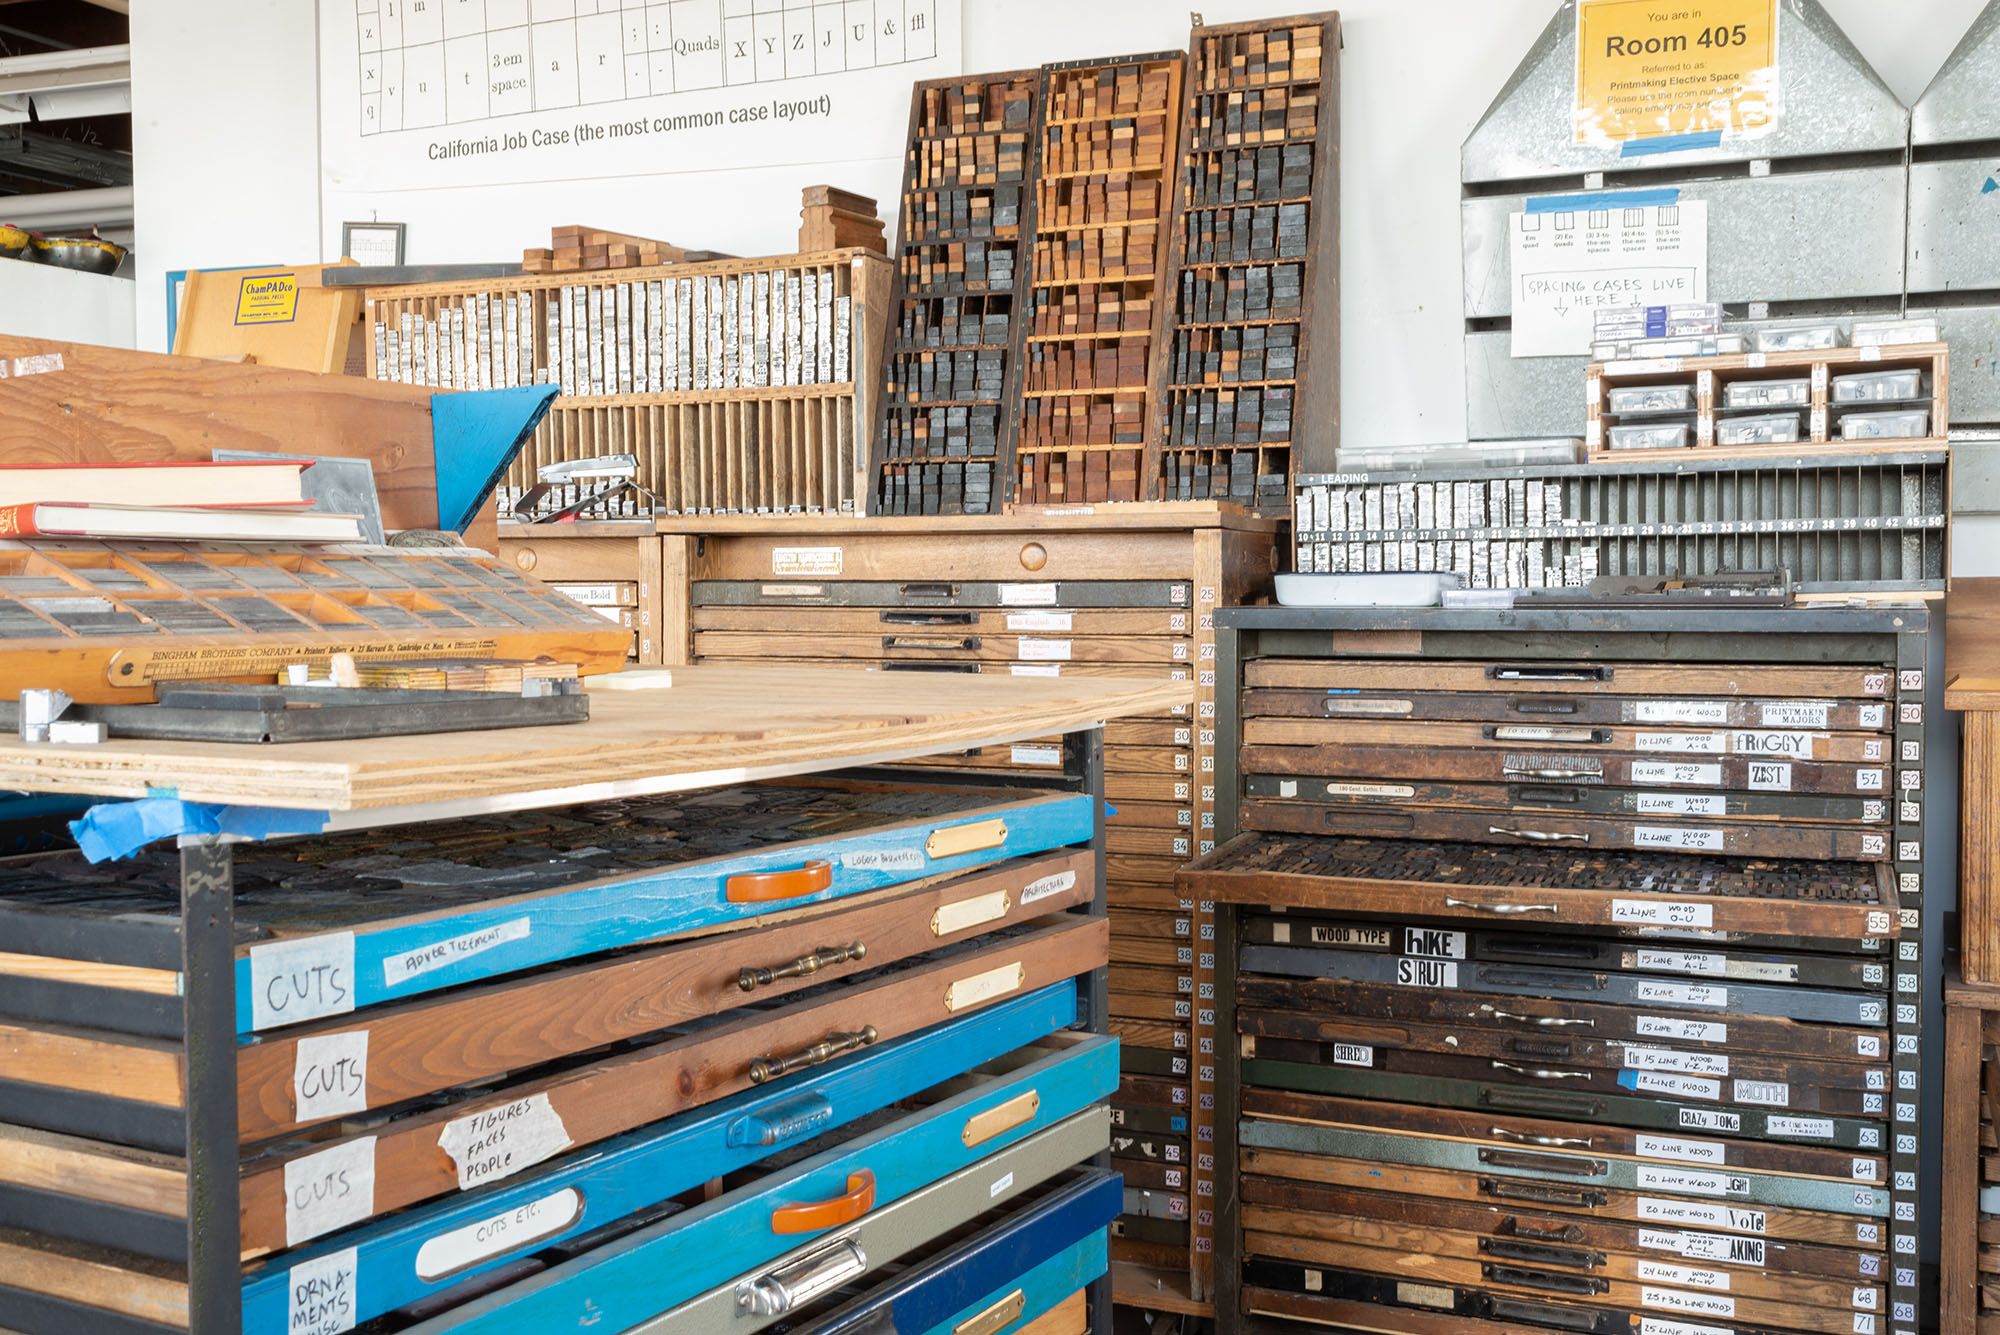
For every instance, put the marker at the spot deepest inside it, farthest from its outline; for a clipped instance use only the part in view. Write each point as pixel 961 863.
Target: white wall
pixel 228 150
pixel 42 301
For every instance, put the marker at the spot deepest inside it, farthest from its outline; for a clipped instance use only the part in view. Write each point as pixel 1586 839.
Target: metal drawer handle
pixel 1542 1049
pixel 1536 795
pixel 1577 1197
pixel 1566 1233
pixel 959 642
pixel 1543 706
pixel 1537 1253
pixel 1549 1142
pixel 835 1211
pixel 975 837
pixel 1538 1072
pixel 932 590
pixel 796 1283
pixel 1582 1285
pixel 1549 1102
pixel 1541 1314
pixel 1538 672
pixel 759 887
pixel 1540 836
pixel 1528 732
pixel 1545 979
pixel 765 1069
pixel 1529 1161
pixel 930 618
pixel 802 967
pixel 995 1318
pixel 1530 772
pixel 1541 1021
pixel 1500 908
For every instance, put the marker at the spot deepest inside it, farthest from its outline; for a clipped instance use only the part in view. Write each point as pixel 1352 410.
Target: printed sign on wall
pixel 1687 73
pixel 1572 257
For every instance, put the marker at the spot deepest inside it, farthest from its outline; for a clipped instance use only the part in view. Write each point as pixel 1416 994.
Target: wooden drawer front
pixel 1646 834
pixel 475 1034
pixel 946 644
pixel 1024 1258
pixel 1154 1062
pixel 682 1272
pixel 398 1258
pixel 1803 744
pixel 677 1071
pixel 1039 557
pixel 500 935
pixel 988 622
pixel 1667 681
pixel 922 592
pixel 1572 709
pixel 1147 1036
pixel 1533 799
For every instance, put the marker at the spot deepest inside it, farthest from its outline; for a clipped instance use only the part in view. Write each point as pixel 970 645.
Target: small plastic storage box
pixel 1767 394
pixel 1905 424
pixel 1766 429
pixel 1632 400
pixel 1656 436
pixel 1878 387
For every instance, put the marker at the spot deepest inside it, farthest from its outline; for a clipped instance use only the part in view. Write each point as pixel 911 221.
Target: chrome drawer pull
pixel 802 967
pixel 765 1069
pixel 1544 1021
pixel 1547 1142
pixel 1500 908
pixel 1540 836
pixel 1538 1072
pixel 785 1287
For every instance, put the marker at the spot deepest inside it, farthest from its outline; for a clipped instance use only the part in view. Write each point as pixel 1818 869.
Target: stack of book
pixel 259 501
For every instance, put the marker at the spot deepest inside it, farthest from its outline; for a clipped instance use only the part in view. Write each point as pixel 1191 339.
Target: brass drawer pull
pixel 802 967
pixel 975 837
pixel 1500 908
pixel 765 1069
pixel 1001 1117
pixel 995 1318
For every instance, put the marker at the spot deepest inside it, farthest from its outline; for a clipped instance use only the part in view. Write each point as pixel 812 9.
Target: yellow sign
pixel 268 298
pixel 1652 70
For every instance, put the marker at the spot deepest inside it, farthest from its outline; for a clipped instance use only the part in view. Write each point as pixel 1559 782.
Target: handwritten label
pixel 1712 1152
pixel 1034 754
pixel 299 980
pixel 495 1143
pixel 1685 1031
pixel 1706 995
pixel 1027 595
pixel 1662 774
pixel 402 967
pixel 1668 1059
pixel 472 1243
pixel 1681 743
pixel 1703 1214
pixel 1046 886
pixel 1675 1300
pixel 1682 961
pixel 1663 912
pixel 1681 711
pixel 883 859
pixel 1673 1086
pixel 330 1075
pixel 1794 713
pixel 1800 1128
pixel 1035 669
pixel 1040 621
pixel 1691 1182
pixel 1680 804
pixel 1654 1326
pixel 1770 777
pixel 321 1294
pixel 329 1190
pixel 806 560
pixel 1042 651
pixel 1764 1093
pixel 1689 1277
pixel 1677 837
pixel 38 364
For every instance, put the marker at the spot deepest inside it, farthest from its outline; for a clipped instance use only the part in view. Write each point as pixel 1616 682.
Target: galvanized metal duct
pixel 1837 152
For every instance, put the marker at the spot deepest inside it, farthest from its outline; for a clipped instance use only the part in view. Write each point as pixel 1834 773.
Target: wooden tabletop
pixel 716 724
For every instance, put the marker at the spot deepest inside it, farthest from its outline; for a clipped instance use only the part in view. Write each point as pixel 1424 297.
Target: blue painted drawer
pixel 1053 1094
pixel 421 1252
pixel 310 972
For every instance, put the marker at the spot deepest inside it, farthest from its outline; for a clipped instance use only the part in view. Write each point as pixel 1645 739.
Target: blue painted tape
pixel 120 829
pixel 1670 143
pixel 1603 199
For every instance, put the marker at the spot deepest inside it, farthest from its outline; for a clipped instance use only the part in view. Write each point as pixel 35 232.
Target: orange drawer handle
pixel 857 1200
pixel 755 887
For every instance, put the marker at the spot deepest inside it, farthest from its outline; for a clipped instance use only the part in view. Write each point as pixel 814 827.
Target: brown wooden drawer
pixel 983 621
pixel 1568 709
pixel 945 644
pixel 1038 557
pixel 1663 680
pixel 1667 743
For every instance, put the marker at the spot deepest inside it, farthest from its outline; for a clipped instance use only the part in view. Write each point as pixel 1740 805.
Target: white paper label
pixel 1683 961
pixel 330 1075
pixel 1710 1119
pixel 1801 1128
pixel 1706 995
pixel 400 968
pixel 1711 1152
pixel 1042 651
pixel 1353 1054
pixel 501 1141
pixel 476 1242
pixel 1034 622
pixel 1675 1300
pixel 1676 1086
pixel 1663 912
pixel 1032 754
pixel 883 859
pixel 1034 669
pixel 321 1294
pixel 1027 595
pixel 1681 711
pixel 1764 1093
pixel 1426 973
pixel 1691 1182
pixel 1702 1214
pixel 1685 1031
pixel 1870 780
pixel 299 980
pixel 1794 714
pixel 1434 942
pixel 1680 804
pixel 1046 886
pixel 1681 743
pixel 1370 790
pixel 1768 776
pixel 1662 774
pixel 805 560
pixel 1667 1059
pixel 1654 1326
pixel 329 1190
pixel 1790 745
pixel 1000 1184
pixel 1677 837
pixel 1687 1276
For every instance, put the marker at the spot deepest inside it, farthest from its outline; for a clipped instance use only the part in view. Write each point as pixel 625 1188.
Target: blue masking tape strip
pixel 120 829
pixel 1670 143
pixel 1603 199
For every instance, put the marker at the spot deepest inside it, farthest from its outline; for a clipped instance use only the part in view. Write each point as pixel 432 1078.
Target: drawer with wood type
pixel 945 644
pixel 1713 1148
pixel 1069 595
pixel 1269 792
pixel 1572 708
pixel 997 623
pixel 1175 844
pixel 1670 681
pixel 1337 735
pixel 1150 1036
pixel 919 1175
pixel 1142 980
pixel 1629 893
pixel 426 1151
pixel 1149 1119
